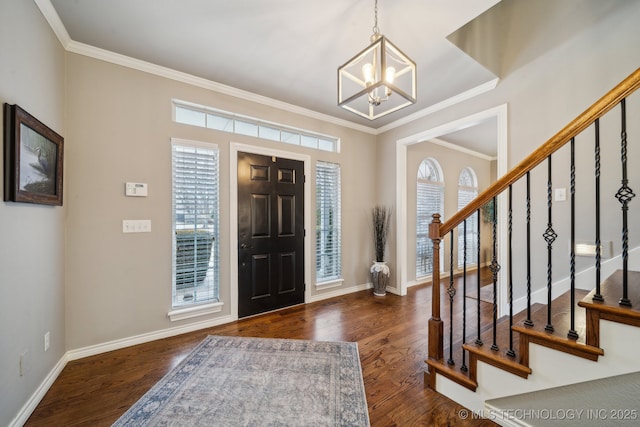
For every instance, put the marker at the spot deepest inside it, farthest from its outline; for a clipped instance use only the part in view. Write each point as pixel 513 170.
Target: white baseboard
pixel 144 338
pixel 585 279
pixel 31 404
pixel 444 275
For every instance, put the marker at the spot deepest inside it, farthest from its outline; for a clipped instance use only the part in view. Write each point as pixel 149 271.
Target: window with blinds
pixel 195 211
pixel 467 191
pixel 429 200
pixel 328 242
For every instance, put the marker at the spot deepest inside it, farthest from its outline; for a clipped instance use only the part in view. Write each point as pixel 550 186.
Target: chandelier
pixel 379 80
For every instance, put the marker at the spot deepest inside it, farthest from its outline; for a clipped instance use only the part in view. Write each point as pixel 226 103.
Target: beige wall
pixel 31 236
pixel 542 97
pixel 71 271
pixel 119 285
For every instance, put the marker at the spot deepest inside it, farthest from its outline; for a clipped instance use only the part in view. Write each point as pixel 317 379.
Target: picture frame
pixel 33 159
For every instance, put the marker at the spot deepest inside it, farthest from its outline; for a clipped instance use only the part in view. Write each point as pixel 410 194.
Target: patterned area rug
pixel 235 381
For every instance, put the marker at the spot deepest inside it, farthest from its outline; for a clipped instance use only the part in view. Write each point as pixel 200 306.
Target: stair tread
pixel 561 321
pixel 453 372
pixel 611 291
pixel 560 318
pixel 498 358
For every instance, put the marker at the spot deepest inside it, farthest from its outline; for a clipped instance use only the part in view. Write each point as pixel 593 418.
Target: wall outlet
pixel 47 342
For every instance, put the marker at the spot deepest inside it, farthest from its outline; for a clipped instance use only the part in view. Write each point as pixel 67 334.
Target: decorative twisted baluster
pixel 495 268
pixel 572 334
pixel 452 293
pixel 549 236
pixel 528 322
pixel 463 367
pixel 510 352
pixel 624 196
pixel 598 296
pixel 478 339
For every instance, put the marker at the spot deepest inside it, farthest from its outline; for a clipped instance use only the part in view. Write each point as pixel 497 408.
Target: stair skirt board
pixel 551 368
pixel 607 401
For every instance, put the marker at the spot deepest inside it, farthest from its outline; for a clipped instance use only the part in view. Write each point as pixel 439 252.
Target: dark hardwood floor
pixel 391 332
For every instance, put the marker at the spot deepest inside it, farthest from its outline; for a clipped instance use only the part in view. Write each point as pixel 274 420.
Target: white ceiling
pixel 288 50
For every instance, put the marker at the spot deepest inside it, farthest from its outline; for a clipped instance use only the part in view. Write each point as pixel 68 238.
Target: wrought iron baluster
pixel 452 293
pixel 495 268
pixel 528 322
pixel 478 339
pixel 510 352
pixel 624 196
pixel 598 296
pixel 572 334
pixel 550 236
pixel 463 367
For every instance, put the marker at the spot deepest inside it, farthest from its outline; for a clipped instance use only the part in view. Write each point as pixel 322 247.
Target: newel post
pixel 436 334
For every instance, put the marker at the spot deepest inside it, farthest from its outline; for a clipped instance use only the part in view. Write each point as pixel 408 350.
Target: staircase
pixel 591 331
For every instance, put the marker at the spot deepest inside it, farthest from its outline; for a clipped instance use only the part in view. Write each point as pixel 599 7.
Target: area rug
pixel 236 381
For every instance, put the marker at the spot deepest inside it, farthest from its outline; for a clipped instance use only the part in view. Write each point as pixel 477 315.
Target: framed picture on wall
pixel 33 159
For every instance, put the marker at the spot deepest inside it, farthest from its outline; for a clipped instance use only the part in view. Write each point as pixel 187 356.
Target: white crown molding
pixel 52 17
pixel 473 92
pixel 455 147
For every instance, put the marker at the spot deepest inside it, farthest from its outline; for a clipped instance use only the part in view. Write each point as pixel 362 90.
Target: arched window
pixel 429 200
pixel 467 191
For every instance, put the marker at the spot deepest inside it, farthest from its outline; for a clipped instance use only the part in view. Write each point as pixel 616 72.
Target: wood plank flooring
pixel 391 332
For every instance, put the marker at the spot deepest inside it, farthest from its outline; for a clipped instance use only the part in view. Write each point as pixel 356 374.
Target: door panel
pixel 260 215
pixel 270 233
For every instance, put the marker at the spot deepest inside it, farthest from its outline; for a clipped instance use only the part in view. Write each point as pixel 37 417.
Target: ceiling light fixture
pixel 379 80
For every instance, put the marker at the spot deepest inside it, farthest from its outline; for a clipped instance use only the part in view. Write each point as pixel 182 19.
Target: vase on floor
pixel 379 278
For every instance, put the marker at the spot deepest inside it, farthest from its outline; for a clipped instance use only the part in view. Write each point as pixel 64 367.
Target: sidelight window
pixel 328 242
pixel 195 208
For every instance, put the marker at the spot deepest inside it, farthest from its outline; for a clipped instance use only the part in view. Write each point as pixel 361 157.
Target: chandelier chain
pixel 376 29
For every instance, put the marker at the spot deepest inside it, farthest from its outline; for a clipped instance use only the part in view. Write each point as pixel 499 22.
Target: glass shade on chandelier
pixel 377 81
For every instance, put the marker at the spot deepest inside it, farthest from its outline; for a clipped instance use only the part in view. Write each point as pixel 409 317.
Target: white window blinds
pixel 467 191
pixel 328 242
pixel 429 200
pixel 195 210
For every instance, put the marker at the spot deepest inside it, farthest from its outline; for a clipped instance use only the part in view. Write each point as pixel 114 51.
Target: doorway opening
pixel 499 114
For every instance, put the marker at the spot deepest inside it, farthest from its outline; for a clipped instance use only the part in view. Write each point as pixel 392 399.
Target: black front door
pixel 270 233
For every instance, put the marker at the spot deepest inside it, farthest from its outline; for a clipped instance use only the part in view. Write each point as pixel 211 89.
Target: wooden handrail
pixel 437 229
pixel 580 123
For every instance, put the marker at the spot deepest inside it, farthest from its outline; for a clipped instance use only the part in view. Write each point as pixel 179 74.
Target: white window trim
pixel 195 311
pixel 235 117
pixel 436 165
pixel 329 284
pixel 324 284
pixel 204 308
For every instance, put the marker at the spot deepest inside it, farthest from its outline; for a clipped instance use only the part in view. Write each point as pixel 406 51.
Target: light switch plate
pixel 560 194
pixel 136 225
